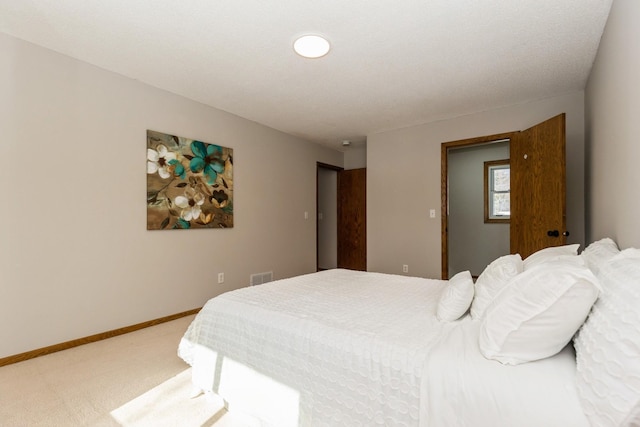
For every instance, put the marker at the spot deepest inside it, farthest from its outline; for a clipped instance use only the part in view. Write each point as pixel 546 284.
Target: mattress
pixel 461 388
pixel 338 347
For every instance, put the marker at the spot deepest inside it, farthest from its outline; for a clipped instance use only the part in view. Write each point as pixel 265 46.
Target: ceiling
pixel 393 63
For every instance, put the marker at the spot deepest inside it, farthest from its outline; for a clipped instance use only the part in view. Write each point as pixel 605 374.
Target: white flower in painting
pixel 158 161
pixel 190 203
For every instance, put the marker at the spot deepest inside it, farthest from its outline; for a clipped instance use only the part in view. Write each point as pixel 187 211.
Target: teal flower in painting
pixel 181 223
pixel 208 160
pixel 177 169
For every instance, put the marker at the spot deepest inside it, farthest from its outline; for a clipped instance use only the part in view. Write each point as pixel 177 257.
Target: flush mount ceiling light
pixel 311 46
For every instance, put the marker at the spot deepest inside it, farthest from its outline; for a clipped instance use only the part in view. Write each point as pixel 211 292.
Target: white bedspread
pixel 348 348
pixel 463 389
pixel 337 347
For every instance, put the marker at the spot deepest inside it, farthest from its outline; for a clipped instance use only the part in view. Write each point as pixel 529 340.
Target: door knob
pixel 553 233
pixel 566 234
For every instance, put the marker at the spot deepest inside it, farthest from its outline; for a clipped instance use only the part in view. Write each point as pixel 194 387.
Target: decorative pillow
pixel 608 347
pixel 550 253
pixel 492 280
pixel 598 253
pixel 456 297
pixel 538 313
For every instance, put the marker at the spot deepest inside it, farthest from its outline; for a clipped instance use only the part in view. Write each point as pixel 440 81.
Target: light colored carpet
pixel 135 379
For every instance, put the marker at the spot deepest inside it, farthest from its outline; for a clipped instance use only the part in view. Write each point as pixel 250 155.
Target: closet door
pixel 538 187
pixel 352 219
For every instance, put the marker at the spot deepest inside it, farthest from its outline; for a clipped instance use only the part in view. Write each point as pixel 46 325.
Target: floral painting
pixel 189 183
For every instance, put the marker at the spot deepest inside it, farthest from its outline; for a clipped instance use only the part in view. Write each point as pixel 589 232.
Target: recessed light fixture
pixel 311 46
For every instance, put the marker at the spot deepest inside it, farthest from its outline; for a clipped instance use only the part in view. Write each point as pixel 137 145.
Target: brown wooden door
pixel 538 179
pixel 352 219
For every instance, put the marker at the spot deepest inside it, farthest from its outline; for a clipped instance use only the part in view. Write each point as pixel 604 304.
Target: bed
pixel 342 347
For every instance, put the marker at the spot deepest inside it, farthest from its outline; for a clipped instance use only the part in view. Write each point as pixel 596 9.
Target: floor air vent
pixel 260 278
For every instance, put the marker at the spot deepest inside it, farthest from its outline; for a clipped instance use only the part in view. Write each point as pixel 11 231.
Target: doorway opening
pixel 326 216
pixel 477 233
pixel 341 225
pixel 537 207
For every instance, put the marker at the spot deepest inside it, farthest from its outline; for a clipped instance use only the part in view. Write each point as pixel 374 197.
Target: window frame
pixel 489 166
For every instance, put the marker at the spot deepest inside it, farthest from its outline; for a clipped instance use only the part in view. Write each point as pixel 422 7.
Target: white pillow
pixel 456 297
pixel 629 253
pixel 538 313
pixel 492 280
pixel 608 347
pixel 549 254
pixel 598 253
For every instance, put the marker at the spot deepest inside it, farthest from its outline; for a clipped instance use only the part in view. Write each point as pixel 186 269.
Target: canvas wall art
pixel 189 183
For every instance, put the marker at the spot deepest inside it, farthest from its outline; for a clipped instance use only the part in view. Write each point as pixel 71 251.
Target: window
pixel 497 186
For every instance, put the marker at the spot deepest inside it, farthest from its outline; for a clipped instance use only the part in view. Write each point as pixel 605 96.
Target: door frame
pixel 444 186
pixel 320 165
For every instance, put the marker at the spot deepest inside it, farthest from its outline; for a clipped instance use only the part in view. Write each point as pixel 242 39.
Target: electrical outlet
pixel 220 278
pixel 432 213
pixel 405 268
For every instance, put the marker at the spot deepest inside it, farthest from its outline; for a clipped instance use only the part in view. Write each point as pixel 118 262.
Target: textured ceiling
pixel 393 63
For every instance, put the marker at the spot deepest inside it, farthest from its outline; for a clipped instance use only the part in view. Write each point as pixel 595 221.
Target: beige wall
pixel 75 256
pixel 613 130
pixel 355 157
pixel 403 180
